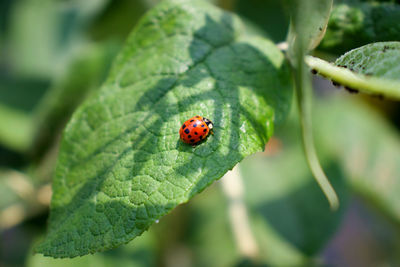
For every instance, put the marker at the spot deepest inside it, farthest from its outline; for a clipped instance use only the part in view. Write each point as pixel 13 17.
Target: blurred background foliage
pixel 54 53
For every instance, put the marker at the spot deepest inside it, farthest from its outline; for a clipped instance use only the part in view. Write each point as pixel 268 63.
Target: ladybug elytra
pixel 195 129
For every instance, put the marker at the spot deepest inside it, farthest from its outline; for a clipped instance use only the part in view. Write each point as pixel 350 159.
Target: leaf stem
pixel 346 77
pixel 304 100
pixel 232 186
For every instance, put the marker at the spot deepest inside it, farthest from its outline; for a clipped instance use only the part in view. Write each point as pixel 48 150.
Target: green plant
pixel 121 166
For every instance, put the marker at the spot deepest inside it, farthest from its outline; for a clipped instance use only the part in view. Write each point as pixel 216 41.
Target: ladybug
pixel 195 129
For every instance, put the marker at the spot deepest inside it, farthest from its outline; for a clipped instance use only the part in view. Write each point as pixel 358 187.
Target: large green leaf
pixel 121 164
pixel 373 69
pixel 355 24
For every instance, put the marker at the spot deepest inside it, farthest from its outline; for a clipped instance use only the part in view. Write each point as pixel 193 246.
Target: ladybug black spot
pixel 183 126
pixel 205 130
pixel 195 125
pixel 191 120
pixel 202 125
pixel 187 131
pixel 195 133
pixel 192 141
pixel 189 136
pixel 201 137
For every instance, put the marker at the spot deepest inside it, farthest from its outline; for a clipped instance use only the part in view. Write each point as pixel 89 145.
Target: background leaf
pixel 18 133
pixel 377 59
pixel 122 165
pixel 203 228
pixel 284 199
pixel 18 98
pixel 61 24
pixel 86 70
pixel 354 24
pixel 367 148
pixel 268 15
pixel 117 19
pixel 359 150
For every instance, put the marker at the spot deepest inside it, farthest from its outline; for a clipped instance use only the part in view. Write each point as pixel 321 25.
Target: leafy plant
pixel 121 166
pixel 131 168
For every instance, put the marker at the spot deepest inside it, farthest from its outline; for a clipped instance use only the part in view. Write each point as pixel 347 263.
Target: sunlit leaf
pixel 121 164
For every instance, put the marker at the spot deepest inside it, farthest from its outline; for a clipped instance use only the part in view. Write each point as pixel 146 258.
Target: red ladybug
pixel 195 130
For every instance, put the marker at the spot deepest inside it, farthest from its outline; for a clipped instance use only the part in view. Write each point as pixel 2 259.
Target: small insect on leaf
pixel 195 130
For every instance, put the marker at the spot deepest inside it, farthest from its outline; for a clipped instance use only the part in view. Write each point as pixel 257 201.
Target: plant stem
pixel 232 186
pixel 304 99
pixel 346 77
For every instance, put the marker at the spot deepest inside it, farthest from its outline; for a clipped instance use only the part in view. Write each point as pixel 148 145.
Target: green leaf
pixel 309 20
pixel 117 20
pixel 121 164
pixel 204 229
pixel 61 26
pixel 373 69
pixel 352 25
pixel 86 70
pixel 141 253
pixel 21 93
pixel 308 23
pixel 268 15
pixel 367 148
pixel 284 198
pixel 17 134
pixel 377 59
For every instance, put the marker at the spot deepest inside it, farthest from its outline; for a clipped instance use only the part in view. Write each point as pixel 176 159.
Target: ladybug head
pixel 208 122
